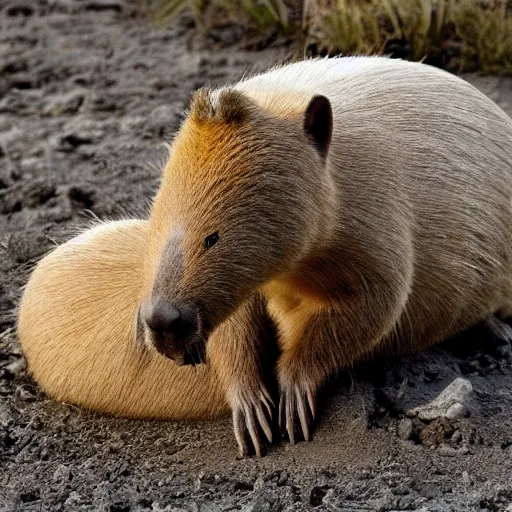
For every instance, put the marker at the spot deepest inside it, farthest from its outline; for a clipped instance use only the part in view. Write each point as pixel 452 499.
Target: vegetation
pixel 462 35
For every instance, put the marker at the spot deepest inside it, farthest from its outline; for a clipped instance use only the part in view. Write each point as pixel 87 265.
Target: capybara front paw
pixel 252 417
pixel 297 404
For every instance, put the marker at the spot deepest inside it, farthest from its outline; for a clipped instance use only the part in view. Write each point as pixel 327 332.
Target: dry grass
pixel 487 37
pixel 260 15
pixel 347 27
pixel 423 23
pixel 461 34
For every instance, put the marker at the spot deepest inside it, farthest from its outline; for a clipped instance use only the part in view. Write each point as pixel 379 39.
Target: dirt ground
pixel 88 92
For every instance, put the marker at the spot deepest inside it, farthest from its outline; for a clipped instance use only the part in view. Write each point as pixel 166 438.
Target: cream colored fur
pixel 77 331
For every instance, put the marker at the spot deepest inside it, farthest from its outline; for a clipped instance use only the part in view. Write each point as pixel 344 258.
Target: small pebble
pixel 259 484
pixel 456 437
pixel 6 418
pixel 62 473
pixel 16 366
pixel 405 429
pixel 458 392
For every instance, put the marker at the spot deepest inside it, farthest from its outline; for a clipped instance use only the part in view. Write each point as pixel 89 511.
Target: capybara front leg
pixel 240 358
pixel 328 341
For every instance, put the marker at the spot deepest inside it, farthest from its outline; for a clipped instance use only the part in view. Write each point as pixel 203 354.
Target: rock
pixel 456 411
pixel 259 484
pixel 330 499
pixel 16 366
pixel 62 473
pixel 262 503
pixel 60 104
pixel 404 430
pixel 458 392
pixel 503 351
pixel 6 418
pixel 456 437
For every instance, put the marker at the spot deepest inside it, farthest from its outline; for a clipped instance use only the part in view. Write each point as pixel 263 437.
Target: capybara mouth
pixel 191 353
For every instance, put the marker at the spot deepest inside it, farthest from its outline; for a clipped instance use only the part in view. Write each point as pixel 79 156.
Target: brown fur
pixel 392 227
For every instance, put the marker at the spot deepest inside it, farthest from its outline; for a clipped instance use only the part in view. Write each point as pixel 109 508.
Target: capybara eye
pixel 211 240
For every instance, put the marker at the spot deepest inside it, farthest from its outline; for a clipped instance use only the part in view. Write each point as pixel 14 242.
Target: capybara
pixel 363 204
pixel 367 199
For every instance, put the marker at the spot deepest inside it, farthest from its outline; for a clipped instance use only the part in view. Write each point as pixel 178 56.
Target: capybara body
pixel 77 329
pixel 363 203
pixel 367 199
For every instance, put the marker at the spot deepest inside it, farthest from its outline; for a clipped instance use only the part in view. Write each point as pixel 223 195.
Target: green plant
pixel 423 28
pixel 421 23
pixel 169 9
pixel 486 33
pixel 350 27
pixel 267 14
pixel 262 15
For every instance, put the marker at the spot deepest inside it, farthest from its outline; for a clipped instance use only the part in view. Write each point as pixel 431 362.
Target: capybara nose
pixel 162 316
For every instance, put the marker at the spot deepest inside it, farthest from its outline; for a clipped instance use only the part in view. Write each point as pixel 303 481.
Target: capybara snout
pixel 174 331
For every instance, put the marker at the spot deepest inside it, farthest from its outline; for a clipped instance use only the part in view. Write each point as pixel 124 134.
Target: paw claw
pixel 264 424
pixel 238 425
pixel 303 415
pixel 250 419
pixel 290 419
pixel 312 404
pixel 295 403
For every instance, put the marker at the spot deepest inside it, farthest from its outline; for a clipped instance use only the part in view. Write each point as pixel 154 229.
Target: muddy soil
pixel 89 90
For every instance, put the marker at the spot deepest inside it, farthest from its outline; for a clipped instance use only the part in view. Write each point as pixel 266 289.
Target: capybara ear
pixel 228 106
pixel 201 107
pixel 318 123
pixel 233 106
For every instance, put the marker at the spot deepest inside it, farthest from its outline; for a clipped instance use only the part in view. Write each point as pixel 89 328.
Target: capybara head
pixel 242 197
